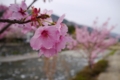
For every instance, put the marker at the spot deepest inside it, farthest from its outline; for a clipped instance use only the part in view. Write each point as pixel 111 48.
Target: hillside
pixel 69 23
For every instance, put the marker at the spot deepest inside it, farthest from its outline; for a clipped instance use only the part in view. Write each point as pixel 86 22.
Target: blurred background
pixel 19 62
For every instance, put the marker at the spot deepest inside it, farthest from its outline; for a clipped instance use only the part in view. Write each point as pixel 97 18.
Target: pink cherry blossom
pixel 45 37
pixel 61 44
pixel 50 40
pixel 63 38
pixel 18 11
pixel 59 25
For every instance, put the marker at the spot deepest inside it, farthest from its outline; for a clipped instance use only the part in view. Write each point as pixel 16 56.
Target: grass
pixel 112 52
pixel 91 74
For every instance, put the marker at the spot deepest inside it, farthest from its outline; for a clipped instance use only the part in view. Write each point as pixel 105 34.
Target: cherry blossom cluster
pixel 49 37
pixel 12 30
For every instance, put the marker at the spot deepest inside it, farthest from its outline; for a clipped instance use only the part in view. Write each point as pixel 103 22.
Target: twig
pixel 44 16
pixel 31 4
pixel 14 21
pixel 18 22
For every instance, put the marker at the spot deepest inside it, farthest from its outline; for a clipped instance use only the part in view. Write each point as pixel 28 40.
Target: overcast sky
pixel 82 11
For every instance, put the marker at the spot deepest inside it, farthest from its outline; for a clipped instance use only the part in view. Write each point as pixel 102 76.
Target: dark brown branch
pixel 14 21
pixel 42 16
pixel 1 31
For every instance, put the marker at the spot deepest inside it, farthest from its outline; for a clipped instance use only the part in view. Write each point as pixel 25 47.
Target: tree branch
pixel 42 16
pixel 14 21
pixel 1 31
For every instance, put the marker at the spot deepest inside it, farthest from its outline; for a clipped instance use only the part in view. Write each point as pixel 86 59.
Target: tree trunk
pixel 90 62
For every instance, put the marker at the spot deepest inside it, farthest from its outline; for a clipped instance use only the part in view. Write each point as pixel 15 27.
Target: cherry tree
pixel 93 42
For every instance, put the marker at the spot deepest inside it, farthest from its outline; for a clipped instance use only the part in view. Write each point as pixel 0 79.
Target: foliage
pixel 71 29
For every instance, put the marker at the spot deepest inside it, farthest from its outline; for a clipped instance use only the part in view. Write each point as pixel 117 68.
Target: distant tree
pixel 94 42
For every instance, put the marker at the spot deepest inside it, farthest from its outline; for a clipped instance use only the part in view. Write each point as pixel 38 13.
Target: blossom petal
pixel 35 43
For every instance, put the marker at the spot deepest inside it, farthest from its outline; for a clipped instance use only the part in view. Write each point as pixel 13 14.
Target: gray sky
pixel 82 11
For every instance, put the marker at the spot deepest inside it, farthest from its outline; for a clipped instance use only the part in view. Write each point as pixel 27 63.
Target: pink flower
pixel 63 38
pixel 61 43
pixel 45 37
pixel 50 40
pixel 59 25
pixel 18 11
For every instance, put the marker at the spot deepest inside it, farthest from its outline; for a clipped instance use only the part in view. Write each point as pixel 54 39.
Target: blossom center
pixel 44 33
pixel 21 11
